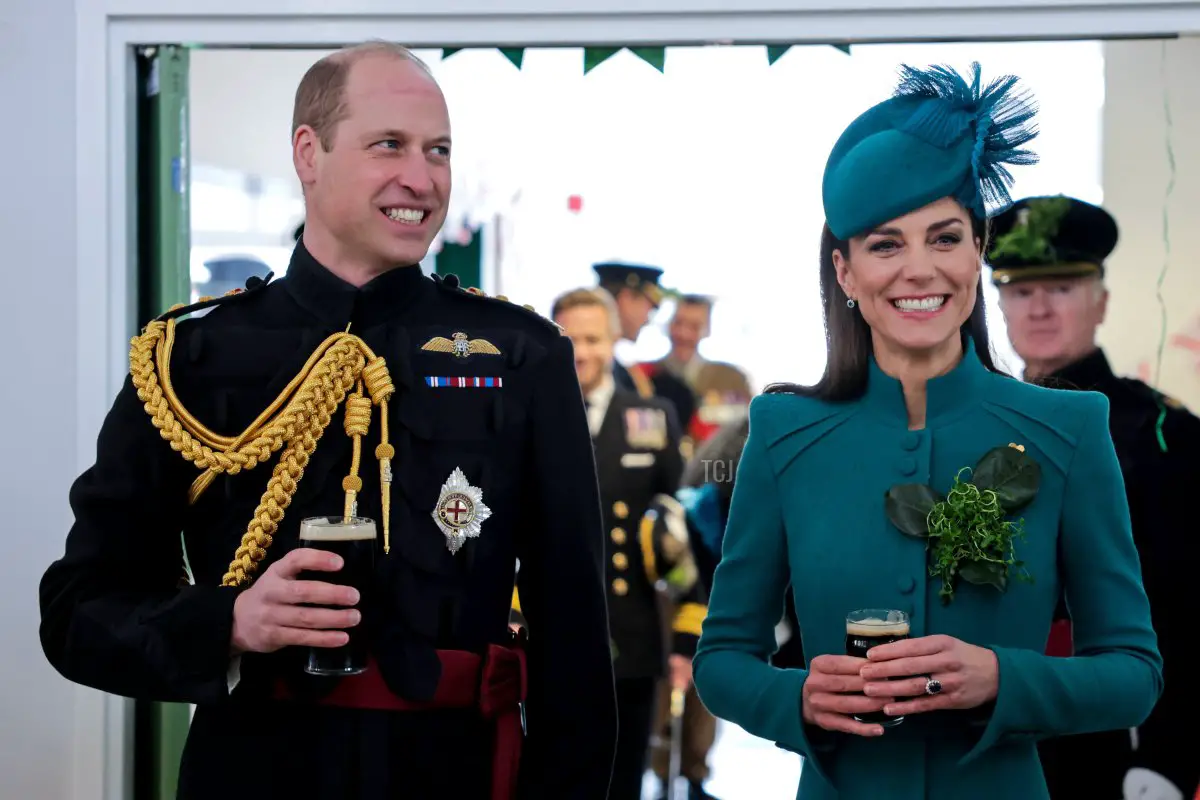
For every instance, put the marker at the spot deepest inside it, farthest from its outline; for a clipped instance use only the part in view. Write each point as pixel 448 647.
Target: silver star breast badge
pixel 460 510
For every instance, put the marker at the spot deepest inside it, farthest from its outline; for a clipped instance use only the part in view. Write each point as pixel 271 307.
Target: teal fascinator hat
pixel 937 136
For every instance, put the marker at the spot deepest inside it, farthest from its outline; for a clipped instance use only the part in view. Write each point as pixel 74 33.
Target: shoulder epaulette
pixel 450 283
pixel 253 284
pixel 1171 402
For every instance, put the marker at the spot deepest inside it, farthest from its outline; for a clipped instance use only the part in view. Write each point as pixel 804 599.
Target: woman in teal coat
pixel 916 477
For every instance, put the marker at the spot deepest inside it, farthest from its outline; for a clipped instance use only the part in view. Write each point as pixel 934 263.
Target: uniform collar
pixel 946 396
pixel 337 303
pixel 1087 373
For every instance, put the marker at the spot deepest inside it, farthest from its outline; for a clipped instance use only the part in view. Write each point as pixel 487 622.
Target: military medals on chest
pixel 646 428
pixel 460 510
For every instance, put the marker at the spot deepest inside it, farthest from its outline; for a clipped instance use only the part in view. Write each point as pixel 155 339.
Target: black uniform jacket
pixel 1158 445
pixel 115 617
pixel 637 458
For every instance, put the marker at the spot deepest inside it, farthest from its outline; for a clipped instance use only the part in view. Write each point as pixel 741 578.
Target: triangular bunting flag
pixel 775 52
pixel 595 56
pixel 449 51
pixel 845 48
pixel 514 54
pixel 654 56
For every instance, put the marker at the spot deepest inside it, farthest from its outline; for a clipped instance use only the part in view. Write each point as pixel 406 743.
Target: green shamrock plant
pixel 969 534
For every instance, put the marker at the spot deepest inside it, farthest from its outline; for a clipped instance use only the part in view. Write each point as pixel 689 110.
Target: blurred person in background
pixel 656 601
pixel 721 391
pixel 636 290
pixel 1048 260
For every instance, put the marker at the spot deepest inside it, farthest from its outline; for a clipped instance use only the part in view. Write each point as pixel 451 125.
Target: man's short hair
pixel 696 300
pixel 594 298
pixel 321 96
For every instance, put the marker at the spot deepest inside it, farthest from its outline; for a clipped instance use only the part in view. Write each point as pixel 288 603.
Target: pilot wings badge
pixel 460 345
pixel 460 510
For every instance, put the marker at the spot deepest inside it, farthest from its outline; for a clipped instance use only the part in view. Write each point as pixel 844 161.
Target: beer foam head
pixel 337 529
pixel 877 627
pixel 877 622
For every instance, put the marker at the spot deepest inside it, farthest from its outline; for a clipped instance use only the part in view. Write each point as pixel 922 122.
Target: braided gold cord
pixel 293 423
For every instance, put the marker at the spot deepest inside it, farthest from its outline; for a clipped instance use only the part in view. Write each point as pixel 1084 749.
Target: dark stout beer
pixel 354 540
pixel 870 628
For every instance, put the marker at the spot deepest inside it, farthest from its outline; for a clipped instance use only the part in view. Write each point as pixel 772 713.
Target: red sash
pixel 495 685
pixel 1060 643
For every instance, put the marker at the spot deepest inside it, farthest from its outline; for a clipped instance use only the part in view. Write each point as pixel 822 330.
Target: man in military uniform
pixel 1047 259
pixel 639 465
pixel 467 410
pixel 722 394
pixel 636 290
pixel 721 390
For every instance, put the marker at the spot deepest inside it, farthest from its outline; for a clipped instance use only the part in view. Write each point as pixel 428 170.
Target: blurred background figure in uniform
pixel 1047 259
pixel 721 390
pixel 638 464
pixel 722 396
pixel 637 293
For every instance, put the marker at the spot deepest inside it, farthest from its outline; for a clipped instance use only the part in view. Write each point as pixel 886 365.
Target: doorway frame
pixel 107 31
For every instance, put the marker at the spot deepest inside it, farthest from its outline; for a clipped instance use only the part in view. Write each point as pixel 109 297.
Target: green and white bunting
pixel 654 56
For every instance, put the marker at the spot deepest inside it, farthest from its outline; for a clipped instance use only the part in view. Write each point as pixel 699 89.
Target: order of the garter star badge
pixel 460 510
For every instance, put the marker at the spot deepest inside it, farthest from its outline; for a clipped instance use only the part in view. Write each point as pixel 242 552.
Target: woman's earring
pixel 850 302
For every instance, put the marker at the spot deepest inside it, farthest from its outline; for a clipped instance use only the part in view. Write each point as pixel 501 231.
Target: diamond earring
pixel 850 302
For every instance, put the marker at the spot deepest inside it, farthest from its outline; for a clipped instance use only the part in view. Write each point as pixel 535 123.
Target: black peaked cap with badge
pixel 1050 237
pixel 613 275
pixel 492 463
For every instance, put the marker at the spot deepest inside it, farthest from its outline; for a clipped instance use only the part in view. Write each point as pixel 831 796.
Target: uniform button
pixel 908 466
pixel 618 535
pixel 620 560
pixel 910 440
pixel 620 587
pixel 620 510
pixel 906 584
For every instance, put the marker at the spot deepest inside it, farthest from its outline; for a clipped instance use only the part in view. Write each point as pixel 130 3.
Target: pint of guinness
pixel 352 538
pixel 871 627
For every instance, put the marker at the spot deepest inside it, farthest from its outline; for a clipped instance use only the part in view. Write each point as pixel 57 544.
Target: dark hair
pixel 848 336
pixel 696 300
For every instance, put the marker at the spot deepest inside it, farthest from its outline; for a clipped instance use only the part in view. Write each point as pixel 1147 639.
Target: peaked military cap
pixel 643 278
pixel 1050 237
pixel 937 136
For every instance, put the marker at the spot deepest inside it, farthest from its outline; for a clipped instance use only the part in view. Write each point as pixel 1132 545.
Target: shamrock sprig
pixel 968 533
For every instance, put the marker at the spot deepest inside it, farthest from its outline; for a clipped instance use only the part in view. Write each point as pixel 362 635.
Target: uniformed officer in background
pixel 639 466
pixel 636 290
pixel 721 390
pixel 1047 258
pixel 722 394
pixel 466 409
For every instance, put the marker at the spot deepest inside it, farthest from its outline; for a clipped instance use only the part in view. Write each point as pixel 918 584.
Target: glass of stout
pixel 352 538
pixel 871 627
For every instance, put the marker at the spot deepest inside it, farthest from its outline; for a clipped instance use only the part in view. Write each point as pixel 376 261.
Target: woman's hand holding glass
pixel 963 675
pixel 833 694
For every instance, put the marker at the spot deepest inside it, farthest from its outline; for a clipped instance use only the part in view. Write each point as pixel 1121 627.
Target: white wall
pixel 37 402
pixel 242 108
pixel 1147 82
